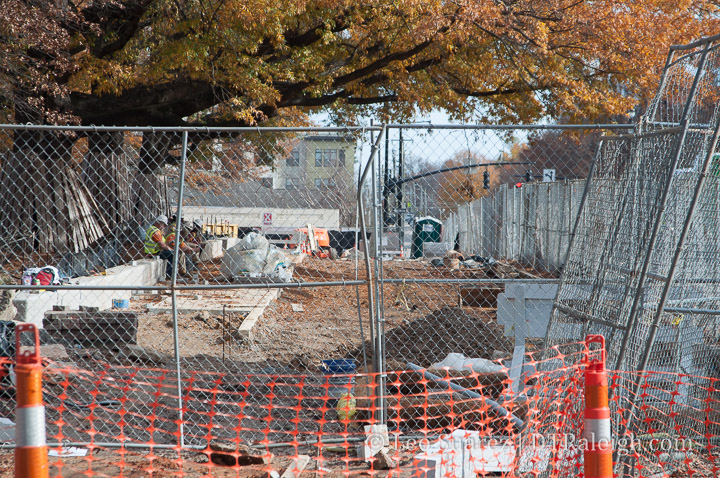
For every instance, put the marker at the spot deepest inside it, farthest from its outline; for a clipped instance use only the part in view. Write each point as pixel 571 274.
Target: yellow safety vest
pixel 151 246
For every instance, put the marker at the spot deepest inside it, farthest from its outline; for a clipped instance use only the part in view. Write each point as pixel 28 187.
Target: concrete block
pixel 9 312
pixel 376 440
pixel 212 250
pixel 31 305
pixel 230 242
pixel 53 352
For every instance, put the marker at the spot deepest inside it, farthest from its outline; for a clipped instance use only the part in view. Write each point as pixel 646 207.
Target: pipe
pixel 278 285
pixel 478 282
pixel 499 409
pixel 366 248
pixel 173 291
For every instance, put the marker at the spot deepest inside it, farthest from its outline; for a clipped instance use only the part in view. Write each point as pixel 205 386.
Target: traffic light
pixel 528 176
pixel 486 180
pixel 518 185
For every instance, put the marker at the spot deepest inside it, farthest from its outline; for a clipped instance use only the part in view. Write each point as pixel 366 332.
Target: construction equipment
pixel 314 240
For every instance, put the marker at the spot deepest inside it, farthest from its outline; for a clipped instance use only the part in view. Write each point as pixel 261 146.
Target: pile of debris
pixel 458 392
pixel 458 261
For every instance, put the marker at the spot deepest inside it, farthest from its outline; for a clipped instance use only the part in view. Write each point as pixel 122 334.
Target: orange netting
pixel 132 421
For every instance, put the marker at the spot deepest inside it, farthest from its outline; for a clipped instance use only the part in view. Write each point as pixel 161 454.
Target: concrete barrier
pixel 212 250
pixel 31 305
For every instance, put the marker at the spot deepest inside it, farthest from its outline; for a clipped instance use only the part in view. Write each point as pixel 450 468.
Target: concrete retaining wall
pixel 31 305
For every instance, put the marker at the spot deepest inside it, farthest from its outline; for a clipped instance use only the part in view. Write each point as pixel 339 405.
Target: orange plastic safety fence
pixel 131 421
pixel 670 428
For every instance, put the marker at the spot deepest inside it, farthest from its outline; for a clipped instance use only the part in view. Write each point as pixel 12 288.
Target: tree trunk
pixel 43 201
pixel 107 174
pixel 149 187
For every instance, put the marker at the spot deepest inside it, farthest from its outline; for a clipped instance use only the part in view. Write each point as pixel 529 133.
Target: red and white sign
pixel 267 219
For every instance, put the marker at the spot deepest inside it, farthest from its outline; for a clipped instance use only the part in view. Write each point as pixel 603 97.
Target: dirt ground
pixel 423 322
pixel 167 464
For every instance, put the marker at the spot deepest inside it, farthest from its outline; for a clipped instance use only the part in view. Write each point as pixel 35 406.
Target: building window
pixel 330 157
pixel 294 158
pixel 292 183
pixel 318 183
pixel 330 182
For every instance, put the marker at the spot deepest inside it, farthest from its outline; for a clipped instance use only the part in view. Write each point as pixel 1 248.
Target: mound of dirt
pixel 427 340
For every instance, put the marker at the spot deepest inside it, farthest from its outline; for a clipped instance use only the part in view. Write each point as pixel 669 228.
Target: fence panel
pixel 475 225
pixel 642 269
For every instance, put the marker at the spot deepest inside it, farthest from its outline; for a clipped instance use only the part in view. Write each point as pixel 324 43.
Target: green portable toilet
pixel 427 229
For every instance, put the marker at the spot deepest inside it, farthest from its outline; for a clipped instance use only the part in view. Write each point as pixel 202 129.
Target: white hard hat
pixel 162 219
pixel 198 223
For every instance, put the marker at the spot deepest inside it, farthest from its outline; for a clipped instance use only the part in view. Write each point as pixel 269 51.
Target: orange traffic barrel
pixel 31 457
pixel 598 434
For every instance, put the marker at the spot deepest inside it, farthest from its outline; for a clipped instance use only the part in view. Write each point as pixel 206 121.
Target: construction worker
pixel 155 243
pixel 196 236
pixel 185 263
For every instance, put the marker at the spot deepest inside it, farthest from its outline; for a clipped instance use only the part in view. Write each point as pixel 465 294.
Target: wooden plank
pixel 296 467
pixel 249 322
pixel 236 301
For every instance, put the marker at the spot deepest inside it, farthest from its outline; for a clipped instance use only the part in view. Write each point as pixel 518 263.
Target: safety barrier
pixel 107 420
pixel 31 459
pixel 598 436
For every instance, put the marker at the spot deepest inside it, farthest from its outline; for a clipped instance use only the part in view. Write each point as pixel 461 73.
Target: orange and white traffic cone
pixel 598 435
pixel 31 456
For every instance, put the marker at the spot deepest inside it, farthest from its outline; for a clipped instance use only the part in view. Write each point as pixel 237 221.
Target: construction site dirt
pixel 296 332
pixel 306 325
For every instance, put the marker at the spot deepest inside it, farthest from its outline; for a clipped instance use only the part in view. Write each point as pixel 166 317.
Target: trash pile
pixel 254 256
pixel 454 260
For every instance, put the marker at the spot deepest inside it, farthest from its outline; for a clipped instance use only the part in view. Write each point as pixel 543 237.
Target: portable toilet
pixel 427 229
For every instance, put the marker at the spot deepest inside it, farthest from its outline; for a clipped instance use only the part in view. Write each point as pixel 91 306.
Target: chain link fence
pixel 642 266
pixel 474 225
pixel 294 253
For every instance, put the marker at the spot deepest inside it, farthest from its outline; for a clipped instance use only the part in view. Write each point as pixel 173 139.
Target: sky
pixel 434 146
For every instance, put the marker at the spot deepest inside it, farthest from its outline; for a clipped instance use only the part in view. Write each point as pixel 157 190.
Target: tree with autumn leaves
pixel 238 63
